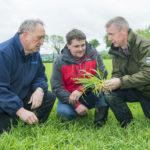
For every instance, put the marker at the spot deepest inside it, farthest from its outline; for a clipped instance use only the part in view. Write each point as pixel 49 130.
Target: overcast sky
pixel 60 16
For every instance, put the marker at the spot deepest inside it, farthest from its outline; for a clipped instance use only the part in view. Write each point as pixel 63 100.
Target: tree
pixel 94 42
pixel 106 40
pixel 57 42
pixel 144 32
pixel 46 39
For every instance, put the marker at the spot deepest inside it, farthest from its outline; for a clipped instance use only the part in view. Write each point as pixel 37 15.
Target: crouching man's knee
pixel 111 99
pixel 44 110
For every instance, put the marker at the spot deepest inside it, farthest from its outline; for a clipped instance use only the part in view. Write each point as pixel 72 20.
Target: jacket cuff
pixel 44 87
pixel 76 104
pixel 14 111
pixel 124 80
pixel 81 89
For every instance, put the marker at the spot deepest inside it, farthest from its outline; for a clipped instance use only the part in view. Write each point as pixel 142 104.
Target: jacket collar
pixel 19 46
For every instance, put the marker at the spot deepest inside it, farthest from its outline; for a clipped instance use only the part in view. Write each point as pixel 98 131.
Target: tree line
pixel 57 42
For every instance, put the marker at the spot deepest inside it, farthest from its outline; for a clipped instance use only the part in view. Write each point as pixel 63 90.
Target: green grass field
pixel 80 134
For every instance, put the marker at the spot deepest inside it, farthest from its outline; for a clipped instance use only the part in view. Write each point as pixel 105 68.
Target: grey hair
pixel 75 34
pixel 29 25
pixel 119 22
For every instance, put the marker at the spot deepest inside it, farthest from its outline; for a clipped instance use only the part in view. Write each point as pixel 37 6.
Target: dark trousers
pixel 68 112
pixel 42 112
pixel 90 100
pixel 118 99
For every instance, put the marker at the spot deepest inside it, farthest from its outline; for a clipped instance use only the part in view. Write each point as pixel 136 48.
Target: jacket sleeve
pixel 57 83
pixel 40 79
pixel 9 101
pixel 101 66
pixel 142 77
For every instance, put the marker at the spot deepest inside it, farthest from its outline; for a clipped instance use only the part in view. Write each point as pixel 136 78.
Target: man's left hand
pixel 112 84
pixel 36 98
pixel 81 110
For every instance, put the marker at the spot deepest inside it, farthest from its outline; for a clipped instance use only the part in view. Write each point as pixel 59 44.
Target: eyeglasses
pixel 42 37
pixel 38 37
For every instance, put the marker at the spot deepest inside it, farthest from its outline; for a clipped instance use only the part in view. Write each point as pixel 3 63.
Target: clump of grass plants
pixel 95 82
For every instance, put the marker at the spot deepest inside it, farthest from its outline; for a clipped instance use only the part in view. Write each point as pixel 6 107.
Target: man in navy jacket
pixel 23 85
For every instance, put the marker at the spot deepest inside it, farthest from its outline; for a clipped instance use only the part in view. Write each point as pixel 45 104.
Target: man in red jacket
pixel 76 56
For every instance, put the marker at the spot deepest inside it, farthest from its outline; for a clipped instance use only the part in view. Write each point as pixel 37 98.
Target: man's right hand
pixel 81 110
pixel 74 97
pixel 112 84
pixel 27 116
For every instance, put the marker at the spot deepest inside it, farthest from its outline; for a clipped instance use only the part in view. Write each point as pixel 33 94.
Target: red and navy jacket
pixel 66 68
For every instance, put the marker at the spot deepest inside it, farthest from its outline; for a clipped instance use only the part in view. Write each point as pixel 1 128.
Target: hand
pixel 74 97
pixel 27 116
pixel 112 84
pixel 81 110
pixel 36 98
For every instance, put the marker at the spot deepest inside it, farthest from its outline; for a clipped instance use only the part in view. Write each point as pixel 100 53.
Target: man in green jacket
pixel 130 80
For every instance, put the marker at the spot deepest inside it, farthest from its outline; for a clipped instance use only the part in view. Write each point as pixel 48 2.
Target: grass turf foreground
pixel 80 134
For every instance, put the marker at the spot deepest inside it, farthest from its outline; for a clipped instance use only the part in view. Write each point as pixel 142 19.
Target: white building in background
pixel 48 54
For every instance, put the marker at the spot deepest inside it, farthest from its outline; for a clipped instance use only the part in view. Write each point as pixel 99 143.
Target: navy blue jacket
pixel 19 74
